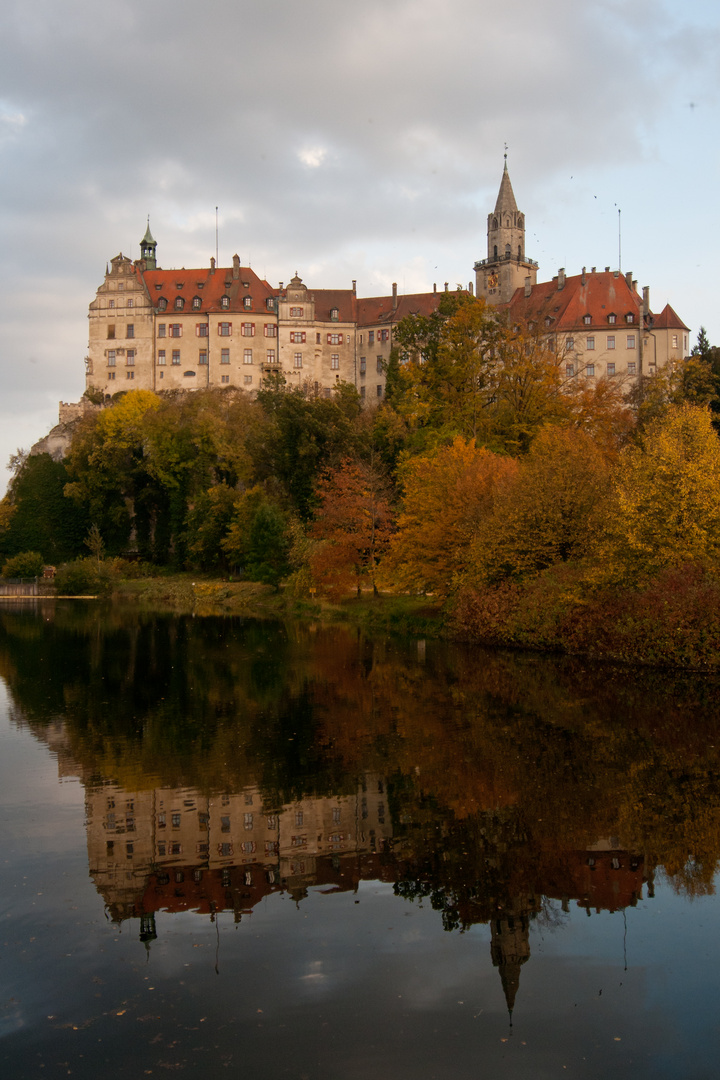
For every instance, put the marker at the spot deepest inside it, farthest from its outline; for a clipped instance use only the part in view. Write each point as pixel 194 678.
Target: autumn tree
pixel 551 511
pixel 447 492
pixel 666 508
pixel 353 519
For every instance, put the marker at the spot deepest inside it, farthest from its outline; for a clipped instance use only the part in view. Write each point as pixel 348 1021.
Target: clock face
pixel 492 281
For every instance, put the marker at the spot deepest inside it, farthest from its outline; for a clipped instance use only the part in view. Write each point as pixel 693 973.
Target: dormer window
pixel 225 302
pixel 587 319
pixel 197 303
pixel 548 320
pixel 247 301
pixel 179 284
pixel 162 303
pixel 246 284
pixel 630 317
pixel 270 304
pixel 158 288
pixel 334 314
pixel 612 318
pixel 179 303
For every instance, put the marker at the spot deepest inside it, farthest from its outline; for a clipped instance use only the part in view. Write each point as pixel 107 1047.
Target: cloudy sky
pixel 343 141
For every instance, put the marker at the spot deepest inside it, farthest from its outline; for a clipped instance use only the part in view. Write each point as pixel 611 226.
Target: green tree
pixel 28 564
pixel 36 515
pixel 268 546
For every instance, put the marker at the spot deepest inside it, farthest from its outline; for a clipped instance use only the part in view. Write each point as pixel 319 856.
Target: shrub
pixel 28 564
pixel 83 577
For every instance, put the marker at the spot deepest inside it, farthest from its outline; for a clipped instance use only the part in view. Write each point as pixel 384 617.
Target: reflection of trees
pixel 498 765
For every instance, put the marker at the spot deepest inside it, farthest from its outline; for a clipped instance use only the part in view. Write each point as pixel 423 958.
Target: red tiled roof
pixel 344 300
pixel 210 286
pixel 375 310
pixel 595 294
pixel 669 320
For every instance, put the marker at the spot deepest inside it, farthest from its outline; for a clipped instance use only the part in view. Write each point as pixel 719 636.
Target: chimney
pixel 212 264
pixel 470 288
pixel 528 285
pixel 634 285
pixel 446 286
pixel 646 300
pixel 561 278
pixel 280 287
pixel 628 279
pixel 354 286
pixel 236 267
pixel 394 306
pixel 434 286
pixel 593 270
pixel 583 280
pixel 607 269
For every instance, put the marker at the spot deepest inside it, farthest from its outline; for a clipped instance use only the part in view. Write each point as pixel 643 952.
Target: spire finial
pixel 506 150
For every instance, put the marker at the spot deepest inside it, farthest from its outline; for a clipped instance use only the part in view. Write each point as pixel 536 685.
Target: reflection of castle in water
pixel 173 849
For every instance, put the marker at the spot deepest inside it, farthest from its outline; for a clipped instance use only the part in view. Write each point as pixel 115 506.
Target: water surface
pixel 296 850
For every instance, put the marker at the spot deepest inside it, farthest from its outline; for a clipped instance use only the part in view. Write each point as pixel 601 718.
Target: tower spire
pixel 506 267
pixel 148 247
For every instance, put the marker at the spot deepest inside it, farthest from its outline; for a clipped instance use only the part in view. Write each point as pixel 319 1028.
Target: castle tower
pixel 506 267
pixel 147 249
pixel 509 950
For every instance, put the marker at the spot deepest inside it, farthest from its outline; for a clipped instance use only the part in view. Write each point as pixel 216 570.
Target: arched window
pixel 495 251
pixel 507 249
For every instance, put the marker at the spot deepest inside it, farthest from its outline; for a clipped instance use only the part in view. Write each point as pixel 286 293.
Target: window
pixel 247 301
pixel 225 378
pixel 296 313
pixel 225 329
pixel 298 337
pixel 318 339
pixel 196 303
pixel 271 847
pixel 225 850
pixel 379 390
pixel 270 330
pixel 111 331
pixel 130 301
pixel 175 329
pixel 248 848
pixel 298 359
pixel 224 824
pixel 299 817
pixel 179 303
pixel 631 367
pixel 383 335
pixel 188 374
pixel 587 319
pixel 161 356
pixel 360 341
pixel 569 370
pixel 111 358
pixel 202 356
pixel 362 365
pixel 336 815
pixel 111 304
pixel 590 343
pixel 631 341
pixel 334 339
pixel 248 329
pixel 224 356
pixel 335 361
pixel 130 358
pixel 111 376
pixel 570 344
pixel 611 341
pixel 362 393
pixel 161 329
pixel 247 356
pixel 176 356
pixel 162 304
pixel 175 821
pixel 298 841
pixel 379 365
pixel 612 318
pixel 270 356
pixel 225 302
pixel 202 329
pixel 129 374
pixel 272 821
pixel 248 821
pixel 270 304
pixel 630 317
pixel 590 371
pixel 247 379
pixel 371 337
pixel 674 341
pixel 611 369
pixel 130 330
pixel 334 314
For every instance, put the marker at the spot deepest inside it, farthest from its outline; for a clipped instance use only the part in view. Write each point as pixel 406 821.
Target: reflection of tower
pixel 509 949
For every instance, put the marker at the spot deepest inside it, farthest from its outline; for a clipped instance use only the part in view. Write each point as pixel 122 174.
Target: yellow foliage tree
pixel 667 497
pixel 448 491
pixel 550 514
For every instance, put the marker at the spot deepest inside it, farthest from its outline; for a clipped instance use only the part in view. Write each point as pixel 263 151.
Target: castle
pixel 155 329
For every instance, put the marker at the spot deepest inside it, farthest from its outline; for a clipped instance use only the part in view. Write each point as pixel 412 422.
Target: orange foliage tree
pixel 353 523
pixel 447 492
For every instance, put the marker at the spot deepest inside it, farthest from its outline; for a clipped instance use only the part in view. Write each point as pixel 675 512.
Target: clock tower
pixel 506 267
